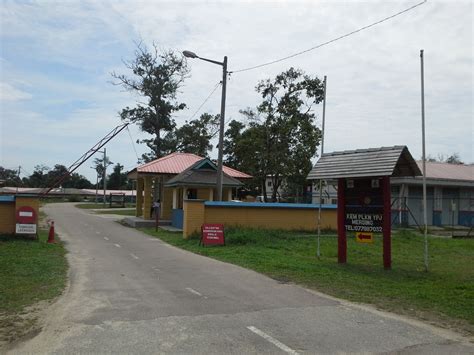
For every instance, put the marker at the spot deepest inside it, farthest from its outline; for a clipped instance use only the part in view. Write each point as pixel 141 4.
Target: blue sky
pixel 57 100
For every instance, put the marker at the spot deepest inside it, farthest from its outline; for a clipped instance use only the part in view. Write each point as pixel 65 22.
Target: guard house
pixel 177 177
pixel 363 184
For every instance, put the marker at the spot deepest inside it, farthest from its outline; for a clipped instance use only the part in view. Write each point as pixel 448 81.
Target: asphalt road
pixel 130 293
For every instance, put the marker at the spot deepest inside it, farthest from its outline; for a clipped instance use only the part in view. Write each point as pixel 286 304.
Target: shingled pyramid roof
pixel 385 161
pixel 202 173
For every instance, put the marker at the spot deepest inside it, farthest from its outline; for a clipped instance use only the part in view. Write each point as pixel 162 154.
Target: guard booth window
pixel 192 194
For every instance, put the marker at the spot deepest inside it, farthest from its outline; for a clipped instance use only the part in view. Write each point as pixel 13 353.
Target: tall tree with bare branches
pixel 157 75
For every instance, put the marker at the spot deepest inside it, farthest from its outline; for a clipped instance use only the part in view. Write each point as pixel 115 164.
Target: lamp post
pixel 104 175
pixel 96 182
pixel 189 54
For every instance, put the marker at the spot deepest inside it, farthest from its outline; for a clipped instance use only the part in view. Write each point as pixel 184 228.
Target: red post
pixel 341 221
pixel 157 218
pixel 386 224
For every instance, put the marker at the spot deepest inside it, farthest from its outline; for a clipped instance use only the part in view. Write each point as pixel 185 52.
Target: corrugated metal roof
pixel 445 171
pixel 384 161
pixel 176 163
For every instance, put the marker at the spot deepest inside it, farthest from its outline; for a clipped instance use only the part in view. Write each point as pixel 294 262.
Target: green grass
pixel 30 271
pixel 444 295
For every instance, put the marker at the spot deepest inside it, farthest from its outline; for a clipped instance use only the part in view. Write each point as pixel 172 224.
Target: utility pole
pixel 19 170
pixel 425 218
pixel 189 54
pixel 221 131
pixel 104 177
pixel 321 181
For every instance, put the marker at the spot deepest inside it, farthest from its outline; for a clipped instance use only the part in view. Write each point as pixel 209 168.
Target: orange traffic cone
pixel 51 233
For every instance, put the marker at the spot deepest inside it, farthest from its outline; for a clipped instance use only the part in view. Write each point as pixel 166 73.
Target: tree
pixel 10 177
pixel 231 146
pixel 281 137
pixel 117 180
pixel 157 76
pixel 78 181
pixel 99 168
pixel 39 178
pixel 452 159
pixel 55 174
pixel 195 136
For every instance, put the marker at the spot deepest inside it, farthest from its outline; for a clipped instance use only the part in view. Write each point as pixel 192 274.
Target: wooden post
pixel 147 198
pixel 139 199
pixel 175 198
pixel 386 224
pixel 341 219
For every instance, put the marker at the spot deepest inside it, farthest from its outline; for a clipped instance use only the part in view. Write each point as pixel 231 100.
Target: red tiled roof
pixel 445 171
pixel 176 163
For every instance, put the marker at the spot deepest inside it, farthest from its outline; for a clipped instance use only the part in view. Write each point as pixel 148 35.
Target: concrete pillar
pixel 185 194
pixel 139 206
pixel 229 194
pixel 211 194
pixel 193 217
pixel 147 197
pixel 175 198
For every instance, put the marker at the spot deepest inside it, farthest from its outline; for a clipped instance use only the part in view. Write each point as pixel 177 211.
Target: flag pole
pixel 425 219
pixel 321 181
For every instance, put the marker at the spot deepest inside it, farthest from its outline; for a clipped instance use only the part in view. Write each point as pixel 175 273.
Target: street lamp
pixel 104 175
pixel 189 54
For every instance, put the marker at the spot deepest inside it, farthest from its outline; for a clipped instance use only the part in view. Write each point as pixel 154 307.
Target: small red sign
pixel 212 234
pixel 26 215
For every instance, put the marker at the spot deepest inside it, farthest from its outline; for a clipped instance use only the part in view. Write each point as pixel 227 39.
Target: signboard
pixel 25 220
pixel 26 215
pixel 364 222
pixel 25 228
pixel 364 206
pixel 364 237
pixel 212 234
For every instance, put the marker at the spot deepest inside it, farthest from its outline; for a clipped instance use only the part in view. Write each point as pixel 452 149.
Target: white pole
pixel 321 181
pixel 104 177
pixel 425 219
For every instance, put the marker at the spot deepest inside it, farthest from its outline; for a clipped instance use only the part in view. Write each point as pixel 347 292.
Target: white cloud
pixel 10 93
pixel 60 55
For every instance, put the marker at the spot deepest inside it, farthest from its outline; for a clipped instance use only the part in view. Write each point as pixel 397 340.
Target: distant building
pixel 450 195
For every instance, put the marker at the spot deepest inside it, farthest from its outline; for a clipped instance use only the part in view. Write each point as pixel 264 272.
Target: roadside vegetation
pixel 30 272
pixel 444 295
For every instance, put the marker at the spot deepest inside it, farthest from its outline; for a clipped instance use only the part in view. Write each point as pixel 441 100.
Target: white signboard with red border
pixel 25 220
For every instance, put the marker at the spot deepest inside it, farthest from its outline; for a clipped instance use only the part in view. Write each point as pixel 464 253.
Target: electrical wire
pixel 204 102
pixel 22 168
pixel 133 145
pixel 330 41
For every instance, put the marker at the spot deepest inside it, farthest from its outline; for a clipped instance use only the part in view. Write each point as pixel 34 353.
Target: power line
pixel 204 102
pixel 330 41
pixel 133 144
pixel 25 171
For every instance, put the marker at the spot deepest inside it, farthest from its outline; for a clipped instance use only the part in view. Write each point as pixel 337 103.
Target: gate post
pixel 341 221
pixel 386 224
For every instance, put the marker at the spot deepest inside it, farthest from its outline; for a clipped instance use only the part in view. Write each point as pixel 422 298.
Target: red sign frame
pixel 26 215
pixel 354 197
pixel 212 234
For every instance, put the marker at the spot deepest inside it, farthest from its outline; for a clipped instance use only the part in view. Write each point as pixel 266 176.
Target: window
pixel 269 183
